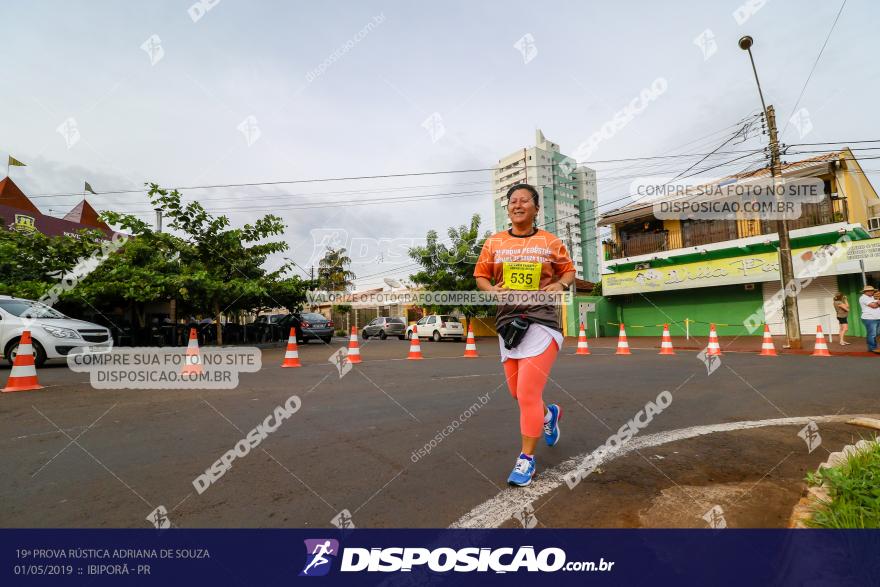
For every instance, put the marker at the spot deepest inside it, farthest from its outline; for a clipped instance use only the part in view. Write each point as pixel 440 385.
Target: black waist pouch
pixel 513 332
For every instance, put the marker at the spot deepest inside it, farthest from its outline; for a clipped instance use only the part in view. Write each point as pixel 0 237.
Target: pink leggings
pixel 526 379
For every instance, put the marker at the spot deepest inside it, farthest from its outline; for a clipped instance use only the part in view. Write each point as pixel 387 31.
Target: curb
pixel 814 496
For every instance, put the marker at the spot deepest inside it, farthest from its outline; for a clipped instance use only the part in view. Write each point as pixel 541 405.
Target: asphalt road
pixel 74 456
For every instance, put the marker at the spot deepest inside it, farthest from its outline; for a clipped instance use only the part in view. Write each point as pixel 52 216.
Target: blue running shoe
pixel 551 428
pixel 523 471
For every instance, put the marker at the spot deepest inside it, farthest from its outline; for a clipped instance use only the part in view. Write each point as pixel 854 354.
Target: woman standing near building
pixel 525 257
pixel 842 308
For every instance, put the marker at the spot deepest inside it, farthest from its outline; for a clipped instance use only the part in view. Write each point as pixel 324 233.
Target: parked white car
pixel 437 327
pixel 54 335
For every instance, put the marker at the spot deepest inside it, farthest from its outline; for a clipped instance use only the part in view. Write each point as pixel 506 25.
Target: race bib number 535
pixel 522 275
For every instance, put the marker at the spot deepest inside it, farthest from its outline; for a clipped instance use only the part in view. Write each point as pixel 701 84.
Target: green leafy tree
pixel 334 275
pixel 145 269
pixel 451 267
pixel 221 268
pixel 31 263
pixel 333 271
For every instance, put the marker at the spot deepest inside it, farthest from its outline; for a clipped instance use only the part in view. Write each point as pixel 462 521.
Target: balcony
pixel 703 232
pixel 638 244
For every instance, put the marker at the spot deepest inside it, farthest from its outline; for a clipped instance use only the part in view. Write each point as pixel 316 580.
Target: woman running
pixel 527 258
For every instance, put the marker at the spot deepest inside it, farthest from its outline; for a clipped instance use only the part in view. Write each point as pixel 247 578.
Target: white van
pixel 54 335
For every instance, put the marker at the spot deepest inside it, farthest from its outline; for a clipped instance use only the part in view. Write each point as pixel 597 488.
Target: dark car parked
pixel 308 325
pixel 383 327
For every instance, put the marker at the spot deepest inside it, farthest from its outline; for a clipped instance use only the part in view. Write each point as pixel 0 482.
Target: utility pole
pixel 158 219
pixel 786 266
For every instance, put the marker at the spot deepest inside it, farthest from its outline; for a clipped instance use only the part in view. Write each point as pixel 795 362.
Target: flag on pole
pixel 89 189
pixel 15 162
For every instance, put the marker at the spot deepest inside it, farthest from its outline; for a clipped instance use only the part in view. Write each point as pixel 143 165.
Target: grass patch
pixel 854 487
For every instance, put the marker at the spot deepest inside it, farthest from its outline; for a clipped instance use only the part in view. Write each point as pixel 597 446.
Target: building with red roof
pixel 17 212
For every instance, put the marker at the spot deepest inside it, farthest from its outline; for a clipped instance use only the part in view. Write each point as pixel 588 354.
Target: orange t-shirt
pixel 542 247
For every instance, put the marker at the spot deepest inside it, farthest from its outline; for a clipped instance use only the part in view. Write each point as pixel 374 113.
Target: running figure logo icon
pixel 320 553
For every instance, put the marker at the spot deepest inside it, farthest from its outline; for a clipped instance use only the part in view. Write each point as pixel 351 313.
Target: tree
pixel 147 268
pixel 220 268
pixel 451 267
pixel 334 275
pixel 333 272
pixel 31 263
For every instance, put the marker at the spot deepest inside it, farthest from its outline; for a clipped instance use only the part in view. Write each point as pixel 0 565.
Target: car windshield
pixel 448 318
pixel 29 309
pixel 311 316
pixel 395 321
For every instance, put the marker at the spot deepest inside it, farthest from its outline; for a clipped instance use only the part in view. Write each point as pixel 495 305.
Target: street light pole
pixel 786 266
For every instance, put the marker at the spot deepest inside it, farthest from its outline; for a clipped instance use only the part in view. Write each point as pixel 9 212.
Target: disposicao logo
pixel 320 553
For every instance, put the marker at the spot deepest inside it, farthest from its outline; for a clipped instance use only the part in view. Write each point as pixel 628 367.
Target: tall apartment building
pixel 568 198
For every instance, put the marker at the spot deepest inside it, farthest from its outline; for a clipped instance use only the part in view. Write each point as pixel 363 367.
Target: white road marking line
pixel 497 510
pixel 466 376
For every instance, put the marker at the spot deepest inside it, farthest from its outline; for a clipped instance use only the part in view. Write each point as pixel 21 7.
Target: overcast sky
pixel 83 100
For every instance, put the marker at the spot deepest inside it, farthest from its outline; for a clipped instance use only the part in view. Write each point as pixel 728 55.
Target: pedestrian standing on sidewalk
pixel 870 316
pixel 842 308
pixel 527 258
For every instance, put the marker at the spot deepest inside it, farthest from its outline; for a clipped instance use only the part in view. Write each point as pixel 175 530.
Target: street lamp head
pixel 745 43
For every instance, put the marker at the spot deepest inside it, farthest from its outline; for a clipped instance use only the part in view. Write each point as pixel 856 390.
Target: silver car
pixel 53 334
pixel 383 327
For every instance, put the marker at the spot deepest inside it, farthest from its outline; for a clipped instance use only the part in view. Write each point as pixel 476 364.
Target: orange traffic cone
pixel 470 347
pixel 714 349
pixel 193 357
pixel 583 348
pixel 354 351
pixel 622 345
pixel 415 351
pixel 291 355
pixel 821 349
pixel 767 348
pixel 23 376
pixel 666 342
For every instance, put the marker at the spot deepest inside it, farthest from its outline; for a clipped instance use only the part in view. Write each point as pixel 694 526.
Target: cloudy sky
pixel 234 92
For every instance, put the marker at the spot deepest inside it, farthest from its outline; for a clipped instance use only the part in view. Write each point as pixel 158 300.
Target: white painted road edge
pixel 499 509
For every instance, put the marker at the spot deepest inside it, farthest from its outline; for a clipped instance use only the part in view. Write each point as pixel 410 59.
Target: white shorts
pixel 538 337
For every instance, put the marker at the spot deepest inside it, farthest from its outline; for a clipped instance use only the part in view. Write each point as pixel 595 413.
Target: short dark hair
pixel 524 186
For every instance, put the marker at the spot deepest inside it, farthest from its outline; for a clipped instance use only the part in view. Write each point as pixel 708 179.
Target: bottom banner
pixel 435 557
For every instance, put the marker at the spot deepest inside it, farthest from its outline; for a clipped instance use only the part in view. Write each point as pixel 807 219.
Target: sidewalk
pixel 738 344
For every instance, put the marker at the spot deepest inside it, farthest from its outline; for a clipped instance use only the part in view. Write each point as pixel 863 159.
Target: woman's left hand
pixel 555 286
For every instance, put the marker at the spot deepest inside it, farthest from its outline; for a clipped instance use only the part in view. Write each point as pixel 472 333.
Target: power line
pixel 383 176
pixel 833 143
pixel 815 63
pixel 402 199
pixel 562 218
pixel 596 238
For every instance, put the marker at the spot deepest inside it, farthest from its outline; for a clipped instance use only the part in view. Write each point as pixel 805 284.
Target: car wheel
pixel 326 340
pixel 408 335
pixel 436 336
pixel 382 335
pixel 39 353
pixel 402 337
pixel 364 335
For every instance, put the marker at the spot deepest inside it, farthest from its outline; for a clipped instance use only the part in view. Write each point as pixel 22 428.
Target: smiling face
pixel 521 208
